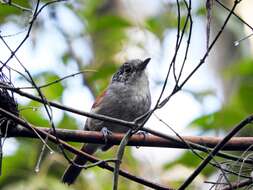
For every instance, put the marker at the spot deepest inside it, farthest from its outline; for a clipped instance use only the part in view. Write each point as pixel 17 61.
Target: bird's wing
pixel 89 125
pixel 98 100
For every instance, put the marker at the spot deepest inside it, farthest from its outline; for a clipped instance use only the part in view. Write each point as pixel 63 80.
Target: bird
pixel 127 97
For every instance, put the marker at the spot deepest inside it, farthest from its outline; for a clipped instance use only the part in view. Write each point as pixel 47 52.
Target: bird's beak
pixel 144 64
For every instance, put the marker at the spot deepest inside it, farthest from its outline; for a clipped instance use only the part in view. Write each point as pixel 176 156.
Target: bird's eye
pixel 127 68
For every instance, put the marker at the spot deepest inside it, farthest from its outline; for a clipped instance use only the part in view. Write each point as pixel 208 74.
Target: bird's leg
pixel 144 133
pixel 105 132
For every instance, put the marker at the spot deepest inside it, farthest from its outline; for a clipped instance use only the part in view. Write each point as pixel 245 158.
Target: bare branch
pixel 216 150
pixel 76 151
pixel 239 184
pixel 234 144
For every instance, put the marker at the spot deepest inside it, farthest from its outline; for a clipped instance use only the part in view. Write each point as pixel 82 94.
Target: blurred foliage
pixel 167 19
pixel 238 105
pixel 34 111
pixel 8 12
pixel 52 91
pixel 186 159
pixel 105 28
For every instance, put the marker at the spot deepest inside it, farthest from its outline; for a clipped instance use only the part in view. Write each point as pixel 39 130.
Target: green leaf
pixel 187 159
pixel 65 58
pixel 201 11
pixel 190 160
pixel 19 166
pixel 159 24
pixel 6 11
pixel 109 22
pixel 67 122
pixel 241 68
pixel 245 94
pixel 39 182
pixel 205 122
pixel 164 21
pixel 201 95
pixel 103 72
pixel 101 78
pixel 54 90
pixel 32 112
pixel 223 119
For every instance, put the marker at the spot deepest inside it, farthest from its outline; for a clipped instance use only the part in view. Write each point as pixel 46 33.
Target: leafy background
pixel 106 31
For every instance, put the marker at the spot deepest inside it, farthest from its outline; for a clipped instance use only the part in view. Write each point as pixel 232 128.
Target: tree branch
pixel 75 151
pixel 239 184
pixel 235 144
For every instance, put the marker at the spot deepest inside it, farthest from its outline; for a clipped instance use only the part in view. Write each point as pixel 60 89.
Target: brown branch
pixel 239 184
pixel 75 151
pixel 235 144
pixel 119 121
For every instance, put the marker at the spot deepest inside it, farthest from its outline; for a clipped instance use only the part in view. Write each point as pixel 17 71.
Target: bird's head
pixel 131 71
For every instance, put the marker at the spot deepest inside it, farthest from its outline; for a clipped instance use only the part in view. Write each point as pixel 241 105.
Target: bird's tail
pixel 72 172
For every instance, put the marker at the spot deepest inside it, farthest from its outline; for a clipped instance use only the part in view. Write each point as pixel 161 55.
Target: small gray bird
pixel 127 97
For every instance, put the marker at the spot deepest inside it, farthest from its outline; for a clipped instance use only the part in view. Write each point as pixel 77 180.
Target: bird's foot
pixel 144 133
pixel 106 132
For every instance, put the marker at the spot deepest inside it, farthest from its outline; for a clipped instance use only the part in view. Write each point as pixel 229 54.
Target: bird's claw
pixel 144 133
pixel 105 132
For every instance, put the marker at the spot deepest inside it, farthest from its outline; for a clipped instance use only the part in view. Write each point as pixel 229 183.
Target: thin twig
pixel 237 16
pixel 187 143
pixel 15 5
pixel 189 17
pixel 237 185
pixel 45 103
pixel 120 154
pixel 87 166
pixel 83 154
pixel 59 80
pixel 114 120
pixel 216 150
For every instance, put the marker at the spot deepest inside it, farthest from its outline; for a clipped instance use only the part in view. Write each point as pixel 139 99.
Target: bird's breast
pixel 122 102
pixel 133 101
